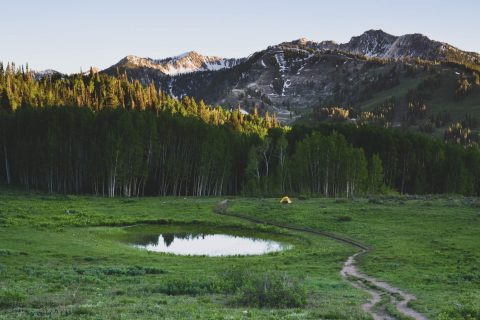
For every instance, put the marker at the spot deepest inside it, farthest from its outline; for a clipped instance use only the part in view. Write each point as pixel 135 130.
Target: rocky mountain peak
pixel 303 41
pixel 379 33
pixel 188 62
pixel 374 43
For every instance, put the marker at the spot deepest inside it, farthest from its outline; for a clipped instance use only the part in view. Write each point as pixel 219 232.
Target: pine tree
pixel 5 102
pixel 111 98
pixel 267 123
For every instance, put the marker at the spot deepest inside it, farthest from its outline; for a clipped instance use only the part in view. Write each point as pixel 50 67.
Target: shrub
pixel 271 290
pixel 11 299
pixel 185 286
pixel 5 252
pixel 82 310
pixel 344 218
pixel 115 271
pixel 129 200
pixel 264 289
pixel 248 288
pixel 375 201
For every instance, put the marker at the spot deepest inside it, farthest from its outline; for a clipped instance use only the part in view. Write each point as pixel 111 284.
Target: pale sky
pixel 71 35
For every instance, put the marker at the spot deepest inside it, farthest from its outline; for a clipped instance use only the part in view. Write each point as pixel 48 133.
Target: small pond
pixel 209 243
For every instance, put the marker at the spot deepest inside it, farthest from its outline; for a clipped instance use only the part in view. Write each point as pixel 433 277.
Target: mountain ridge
pixel 187 62
pixel 293 77
pixel 296 77
pixel 380 44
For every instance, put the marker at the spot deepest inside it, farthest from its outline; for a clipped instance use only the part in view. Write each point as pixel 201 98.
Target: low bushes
pixel 344 218
pixel 185 286
pixel 11 299
pixel 258 289
pixel 265 289
pixel 115 271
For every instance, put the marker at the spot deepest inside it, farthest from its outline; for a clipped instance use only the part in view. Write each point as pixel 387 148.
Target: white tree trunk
pixel 7 165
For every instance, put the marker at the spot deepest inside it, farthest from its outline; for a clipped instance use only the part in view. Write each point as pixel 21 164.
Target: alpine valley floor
pixel 64 257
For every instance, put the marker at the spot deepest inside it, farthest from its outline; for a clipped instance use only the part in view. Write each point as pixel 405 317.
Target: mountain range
pixel 293 78
pixel 185 63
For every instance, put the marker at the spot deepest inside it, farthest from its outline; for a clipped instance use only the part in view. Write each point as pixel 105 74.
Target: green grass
pixel 75 265
pixel 442 100
pixel 398 92
pixel 65 257
pixel 428 247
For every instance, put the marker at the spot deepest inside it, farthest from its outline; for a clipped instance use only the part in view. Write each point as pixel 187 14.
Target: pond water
pixel 212 245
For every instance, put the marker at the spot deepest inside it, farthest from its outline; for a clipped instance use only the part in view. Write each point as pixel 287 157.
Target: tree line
pixel 121 152
pixel 20 87
pixel 412 163
pixel 179 147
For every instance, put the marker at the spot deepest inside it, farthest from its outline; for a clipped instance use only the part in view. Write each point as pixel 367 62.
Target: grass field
pixel 63 257
pixel 442 99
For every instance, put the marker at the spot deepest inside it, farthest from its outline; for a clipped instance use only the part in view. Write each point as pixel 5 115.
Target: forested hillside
pixel 407 81
pixel 110 136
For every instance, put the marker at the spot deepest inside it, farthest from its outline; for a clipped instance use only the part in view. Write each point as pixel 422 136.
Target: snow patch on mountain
pixel 185 63
pixel 279 56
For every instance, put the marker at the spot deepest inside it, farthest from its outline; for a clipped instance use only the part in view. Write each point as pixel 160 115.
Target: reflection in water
pixel 168 239
pixel 207 244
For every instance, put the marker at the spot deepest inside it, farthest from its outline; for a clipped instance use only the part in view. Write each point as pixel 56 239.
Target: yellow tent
pixel 285 200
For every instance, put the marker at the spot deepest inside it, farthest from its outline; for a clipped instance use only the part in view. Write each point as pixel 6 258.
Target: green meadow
pixel 68 257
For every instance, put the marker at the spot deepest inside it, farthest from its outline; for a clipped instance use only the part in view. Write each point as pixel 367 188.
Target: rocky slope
pixel 185 63
pixel 377 43
pixel 295 77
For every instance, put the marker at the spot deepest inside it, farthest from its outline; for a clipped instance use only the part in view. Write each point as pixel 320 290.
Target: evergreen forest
pixel 93 133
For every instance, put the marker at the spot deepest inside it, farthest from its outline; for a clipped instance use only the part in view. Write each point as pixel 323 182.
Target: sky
pixel 69 36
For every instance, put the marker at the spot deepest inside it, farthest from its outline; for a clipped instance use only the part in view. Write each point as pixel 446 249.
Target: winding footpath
pixel 381 293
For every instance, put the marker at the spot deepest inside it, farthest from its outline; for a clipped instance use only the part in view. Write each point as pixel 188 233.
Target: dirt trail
pixel 381 292
pixel 371 306
pixel 376 289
